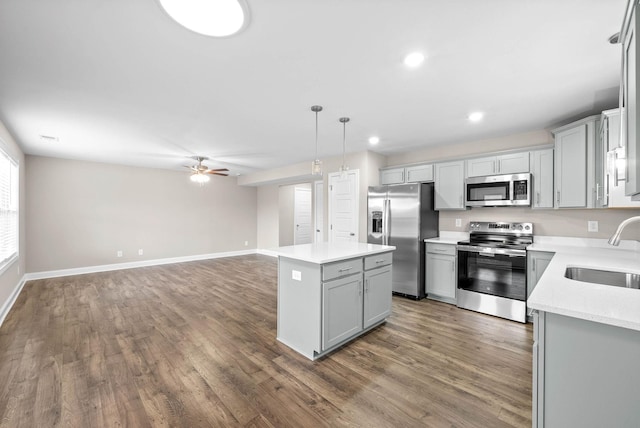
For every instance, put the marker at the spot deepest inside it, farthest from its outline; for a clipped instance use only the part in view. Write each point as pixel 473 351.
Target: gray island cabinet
pixel 329 294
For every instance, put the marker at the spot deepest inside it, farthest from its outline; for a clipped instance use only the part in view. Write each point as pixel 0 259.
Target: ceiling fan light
pixel 199 178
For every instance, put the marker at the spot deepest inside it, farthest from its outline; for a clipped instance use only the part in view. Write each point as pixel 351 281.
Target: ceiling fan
pixel 199 172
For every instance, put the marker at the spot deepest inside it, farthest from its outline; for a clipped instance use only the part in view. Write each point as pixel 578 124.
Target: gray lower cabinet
pixel 441 272
pixel 341 310
pixel 377 295
pixel 322 306
pixel 585 373
pixel 537 262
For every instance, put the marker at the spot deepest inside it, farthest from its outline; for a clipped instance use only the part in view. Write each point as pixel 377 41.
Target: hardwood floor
pixel 194 344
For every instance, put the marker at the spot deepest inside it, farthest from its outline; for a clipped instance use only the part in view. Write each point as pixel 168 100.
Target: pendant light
pixel 344 168
pixel 316 165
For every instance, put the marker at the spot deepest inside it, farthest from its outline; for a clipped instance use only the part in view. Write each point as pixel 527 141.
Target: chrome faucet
pixel 615 239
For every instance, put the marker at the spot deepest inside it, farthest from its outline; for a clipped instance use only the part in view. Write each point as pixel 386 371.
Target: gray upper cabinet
pixel 449 187
pixel 409 174
pixel 502 164
pixel 392 176
pixel 419 173
pixel 614 168
pixel 574 178
pixel 628 95
pixel 542 171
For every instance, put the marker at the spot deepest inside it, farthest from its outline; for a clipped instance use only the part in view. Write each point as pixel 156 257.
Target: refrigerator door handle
pixel 386 224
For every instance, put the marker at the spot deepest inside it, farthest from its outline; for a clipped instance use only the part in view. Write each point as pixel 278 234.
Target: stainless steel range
pixel 492 269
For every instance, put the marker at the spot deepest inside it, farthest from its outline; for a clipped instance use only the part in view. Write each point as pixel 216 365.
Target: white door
pixel 343 206
pixel 318 196
pixel 302 216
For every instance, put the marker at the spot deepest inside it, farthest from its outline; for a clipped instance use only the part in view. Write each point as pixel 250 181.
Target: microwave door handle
pixel 511 188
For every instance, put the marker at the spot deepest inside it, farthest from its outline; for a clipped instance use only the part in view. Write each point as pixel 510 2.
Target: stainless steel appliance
pixel 402 215
pixel 499 190
pixel 492 269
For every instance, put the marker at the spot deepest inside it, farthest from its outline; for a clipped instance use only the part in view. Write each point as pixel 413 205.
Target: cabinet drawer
pixel 377 260
pixel 448 249
pixel 338 269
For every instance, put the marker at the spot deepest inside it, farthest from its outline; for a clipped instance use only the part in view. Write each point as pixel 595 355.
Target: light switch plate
pixel 458 222
pixel 592 226
pixel 296 275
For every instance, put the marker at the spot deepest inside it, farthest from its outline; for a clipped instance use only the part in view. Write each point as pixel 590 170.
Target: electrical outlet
pixel 140 252
pixel 246 243
pixel 458 222
pixel 119 253
pixel 296 275
pixel 592 226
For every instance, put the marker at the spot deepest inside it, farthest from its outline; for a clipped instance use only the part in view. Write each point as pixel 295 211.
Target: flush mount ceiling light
pixel 475 116
pixel 316 165
pixel 216 18
pixel 413 59
pixel 374 140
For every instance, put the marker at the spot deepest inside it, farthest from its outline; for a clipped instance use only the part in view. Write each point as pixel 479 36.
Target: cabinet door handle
pixel 366 286
pixel 597 192
pixel 453 266
pixel 558 196
pixel 380 261
pixel 460 200
pixel 345 269
pixel 538 198
pixel 360 288
pixel 533 266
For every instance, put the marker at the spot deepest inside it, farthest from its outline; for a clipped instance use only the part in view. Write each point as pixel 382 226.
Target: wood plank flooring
pixel 194 344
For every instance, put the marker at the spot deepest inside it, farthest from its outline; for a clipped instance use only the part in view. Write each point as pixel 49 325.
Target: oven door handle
pixel 490 251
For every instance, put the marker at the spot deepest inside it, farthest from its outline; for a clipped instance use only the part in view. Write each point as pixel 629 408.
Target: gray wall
pixel 80 214
pixel 10 278
pixel 268 213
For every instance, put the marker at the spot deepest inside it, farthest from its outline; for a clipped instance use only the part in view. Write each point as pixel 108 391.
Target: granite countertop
pixel 326 252
pixel 606 304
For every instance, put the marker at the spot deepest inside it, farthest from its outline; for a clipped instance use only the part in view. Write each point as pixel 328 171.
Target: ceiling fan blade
pixel 217 173
pixel 219 169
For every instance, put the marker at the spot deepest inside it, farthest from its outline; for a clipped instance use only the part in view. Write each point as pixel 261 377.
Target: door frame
pixel 318 211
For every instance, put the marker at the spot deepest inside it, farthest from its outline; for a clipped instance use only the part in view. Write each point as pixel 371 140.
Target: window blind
pixel 8 209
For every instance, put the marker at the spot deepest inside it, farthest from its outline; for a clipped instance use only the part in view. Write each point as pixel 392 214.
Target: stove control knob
pixel 527 227
pixel 519 227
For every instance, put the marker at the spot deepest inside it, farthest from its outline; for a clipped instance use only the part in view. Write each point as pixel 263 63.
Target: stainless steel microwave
pixel 498 190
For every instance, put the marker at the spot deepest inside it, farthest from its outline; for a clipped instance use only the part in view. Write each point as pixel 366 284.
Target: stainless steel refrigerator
pixel 403 215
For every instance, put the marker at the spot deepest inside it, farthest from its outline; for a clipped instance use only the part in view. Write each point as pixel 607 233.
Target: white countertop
pixel 606 304
pixel 447 237
pixel 325 252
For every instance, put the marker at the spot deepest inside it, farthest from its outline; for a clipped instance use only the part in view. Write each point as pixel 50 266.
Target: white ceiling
pixel 119 81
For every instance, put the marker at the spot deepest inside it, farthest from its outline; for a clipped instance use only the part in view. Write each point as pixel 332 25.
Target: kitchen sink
pixel 605 277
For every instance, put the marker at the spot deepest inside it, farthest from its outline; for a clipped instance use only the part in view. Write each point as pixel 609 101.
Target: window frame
pixel 4 152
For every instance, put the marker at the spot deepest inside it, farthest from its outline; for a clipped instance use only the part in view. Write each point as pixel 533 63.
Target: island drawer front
pixel 447 249
pixel 339 269
pixel 378 260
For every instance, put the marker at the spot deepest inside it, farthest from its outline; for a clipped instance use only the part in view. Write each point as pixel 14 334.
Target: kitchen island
pixel 331 293
pixel 586 338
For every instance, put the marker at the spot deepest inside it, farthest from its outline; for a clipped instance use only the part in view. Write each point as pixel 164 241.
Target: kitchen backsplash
pixel 564 222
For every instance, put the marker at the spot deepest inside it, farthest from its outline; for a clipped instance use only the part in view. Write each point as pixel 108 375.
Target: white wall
pixel 368 163
pixel 267 214
pixel 10 278
pixel 80 214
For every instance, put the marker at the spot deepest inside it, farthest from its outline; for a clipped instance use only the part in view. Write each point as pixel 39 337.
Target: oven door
pixel 494 271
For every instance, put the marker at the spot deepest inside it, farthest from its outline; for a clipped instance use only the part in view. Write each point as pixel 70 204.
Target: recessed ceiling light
pixel 374 140
pixel 413 59
pixel 217 18
pixel 476 116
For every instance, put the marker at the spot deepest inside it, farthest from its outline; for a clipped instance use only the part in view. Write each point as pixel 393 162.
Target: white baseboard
pixel 4 311
pixel 267 253
pixel 131 265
